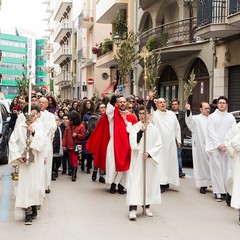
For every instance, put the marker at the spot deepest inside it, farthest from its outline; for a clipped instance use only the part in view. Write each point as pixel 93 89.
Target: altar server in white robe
pixel 218 124
pixel 30 189
pixel 170 132
pixel 136 172
pixel 232 142
pixel 50 127
pixel 198 126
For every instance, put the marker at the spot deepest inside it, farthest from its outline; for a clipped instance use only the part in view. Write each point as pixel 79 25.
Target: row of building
pixel 78 51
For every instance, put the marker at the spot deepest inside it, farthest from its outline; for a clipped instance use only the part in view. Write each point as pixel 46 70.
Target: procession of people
pixel 134 145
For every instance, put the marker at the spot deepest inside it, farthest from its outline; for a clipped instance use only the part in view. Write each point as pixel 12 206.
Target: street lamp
pixel 117 39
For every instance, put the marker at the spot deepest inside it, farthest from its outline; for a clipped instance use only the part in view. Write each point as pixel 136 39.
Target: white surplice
pixel 134 181
pixel 198 126
pixel 30 189
pixel 111 174
pixel 170 132
pixel 50 126
pixel 218 124
pixel 232 142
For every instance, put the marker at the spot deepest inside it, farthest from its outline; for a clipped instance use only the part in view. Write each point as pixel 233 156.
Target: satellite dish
pixel 105 76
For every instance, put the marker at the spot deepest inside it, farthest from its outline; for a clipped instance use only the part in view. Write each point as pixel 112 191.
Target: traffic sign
pixel 90 81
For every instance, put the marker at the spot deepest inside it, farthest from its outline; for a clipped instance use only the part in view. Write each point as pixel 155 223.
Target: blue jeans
pixel 179 155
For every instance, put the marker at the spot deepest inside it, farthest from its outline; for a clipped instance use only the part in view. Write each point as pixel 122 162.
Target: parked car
pixel 4 134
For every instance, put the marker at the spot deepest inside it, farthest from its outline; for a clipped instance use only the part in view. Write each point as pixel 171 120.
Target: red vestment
pixel 98 142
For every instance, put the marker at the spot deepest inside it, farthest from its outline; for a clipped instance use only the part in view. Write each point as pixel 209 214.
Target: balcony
pixel 62 7
pixel 63 29
pixel 63 79
pixel 106 11
pixel 85 57
pixel 174 38
pixel 212 19
pixel 62 54
pixel 234 13
pixel 105 56
pixel 85 19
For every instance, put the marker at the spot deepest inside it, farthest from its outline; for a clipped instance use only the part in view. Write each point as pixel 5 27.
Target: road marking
pixel 6 182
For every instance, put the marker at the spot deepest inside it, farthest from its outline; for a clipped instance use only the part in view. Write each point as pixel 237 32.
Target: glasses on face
pixel 39 96
pixel 131 101
pixel 130 107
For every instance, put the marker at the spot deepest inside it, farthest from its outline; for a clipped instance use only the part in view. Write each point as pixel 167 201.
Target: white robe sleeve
pixel 189 121
pixel 39 140
pixel 14 150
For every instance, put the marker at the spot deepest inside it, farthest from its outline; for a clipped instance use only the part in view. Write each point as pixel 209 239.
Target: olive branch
pixel 189 86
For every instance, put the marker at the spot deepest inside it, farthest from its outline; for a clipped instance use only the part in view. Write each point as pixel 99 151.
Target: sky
pixel 26 14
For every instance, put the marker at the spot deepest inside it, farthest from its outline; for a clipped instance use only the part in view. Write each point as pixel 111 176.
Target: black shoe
pixel 113 188
pixel 53 177
pixel 203 190
pixel 56 173
pixel 224 196
pixel 64 172
pixel 181 174
pixel 228 199
pixel 94 176
pixel 121 189
pixel 47 191
pixel 70 173
pixel 28 219
pixel 101 179
pixel 34 212
pixel 88 171
pixel 163 188
pixel 74 174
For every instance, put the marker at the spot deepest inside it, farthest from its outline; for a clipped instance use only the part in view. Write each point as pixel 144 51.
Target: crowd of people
pixel 122 141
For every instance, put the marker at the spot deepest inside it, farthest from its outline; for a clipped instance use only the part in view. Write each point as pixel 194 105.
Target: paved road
pixel 85 210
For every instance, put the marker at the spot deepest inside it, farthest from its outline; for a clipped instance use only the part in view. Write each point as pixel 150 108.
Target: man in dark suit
pixel 184 131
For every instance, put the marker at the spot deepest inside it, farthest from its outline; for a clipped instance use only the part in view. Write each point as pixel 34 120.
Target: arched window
pixel 168 84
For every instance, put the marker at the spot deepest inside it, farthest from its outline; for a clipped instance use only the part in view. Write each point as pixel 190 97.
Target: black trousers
pixel 134 207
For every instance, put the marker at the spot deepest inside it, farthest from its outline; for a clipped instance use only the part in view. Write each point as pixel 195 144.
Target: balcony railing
pixel 211 11
pixel 85 19
pixel 171 34
pixel 234 6
pixel 105 49
pixel 85 54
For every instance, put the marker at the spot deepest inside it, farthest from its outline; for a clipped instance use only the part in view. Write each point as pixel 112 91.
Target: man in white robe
pixel 30 190
pixel 232 142
pixel 218 124
pixel 50 127
pixel 136 171
pixel 198 126
pixel 170 132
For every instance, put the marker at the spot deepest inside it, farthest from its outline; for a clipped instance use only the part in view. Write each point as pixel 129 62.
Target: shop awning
pixel 109 88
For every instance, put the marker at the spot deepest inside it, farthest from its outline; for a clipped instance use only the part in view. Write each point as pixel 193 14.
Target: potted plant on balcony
pixel 95 49
pixel 151 43
pixel 107 45
pixel 119 24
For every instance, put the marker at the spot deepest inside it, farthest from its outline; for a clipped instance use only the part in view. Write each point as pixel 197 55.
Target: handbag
pixel 77 148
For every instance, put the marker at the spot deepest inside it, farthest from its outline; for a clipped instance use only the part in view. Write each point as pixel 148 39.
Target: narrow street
pixel 86 210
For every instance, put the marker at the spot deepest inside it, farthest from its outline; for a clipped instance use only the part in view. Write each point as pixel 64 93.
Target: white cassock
pixel 198 126
pixel 218 124
pixel 111 174
pixel 134 181
pixel 170 132
pixel 50 126
pixel 30 190
pixel 232 142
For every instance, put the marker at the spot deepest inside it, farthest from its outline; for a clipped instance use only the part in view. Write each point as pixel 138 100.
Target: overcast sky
pixel 27 14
